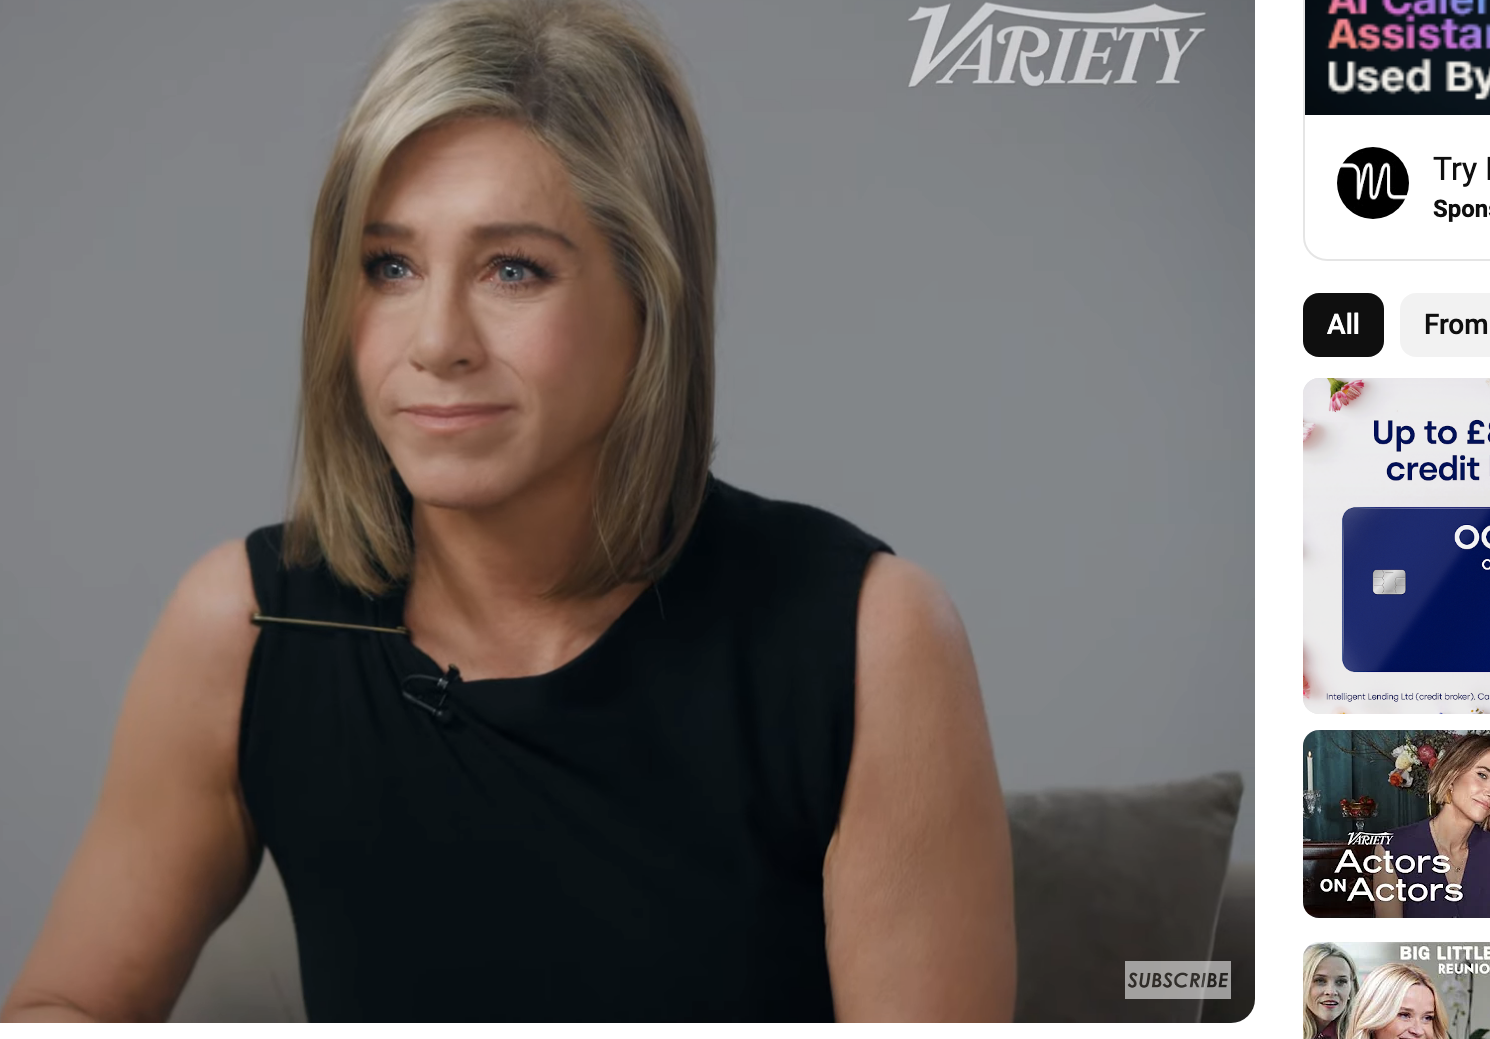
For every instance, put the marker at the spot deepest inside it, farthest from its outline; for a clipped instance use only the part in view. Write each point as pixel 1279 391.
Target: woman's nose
pixel 444 338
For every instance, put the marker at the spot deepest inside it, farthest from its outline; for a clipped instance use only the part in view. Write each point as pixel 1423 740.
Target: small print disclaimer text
pixel 1177 979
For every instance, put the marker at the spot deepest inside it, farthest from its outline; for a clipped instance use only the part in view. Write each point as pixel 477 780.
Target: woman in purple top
pixel 1454 835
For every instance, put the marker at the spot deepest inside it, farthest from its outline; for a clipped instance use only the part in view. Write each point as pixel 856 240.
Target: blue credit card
pixel 1416 590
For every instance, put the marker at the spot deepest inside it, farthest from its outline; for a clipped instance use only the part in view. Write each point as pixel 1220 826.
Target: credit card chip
pixel 1389 582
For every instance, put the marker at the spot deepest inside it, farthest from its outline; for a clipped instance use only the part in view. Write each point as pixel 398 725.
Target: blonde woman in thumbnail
pixel 1329 990
pixel 1459 816
pixel 1398 1001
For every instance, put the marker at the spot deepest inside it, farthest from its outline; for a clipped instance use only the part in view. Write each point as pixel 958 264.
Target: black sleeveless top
pixel 636 835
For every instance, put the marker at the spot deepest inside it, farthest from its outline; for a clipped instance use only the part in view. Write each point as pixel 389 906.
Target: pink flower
pixel 1308 428
pixel 1343 391
pixel 1306 685
pixel 1427 755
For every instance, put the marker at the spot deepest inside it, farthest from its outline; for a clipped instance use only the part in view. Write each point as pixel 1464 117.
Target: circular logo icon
pixel 1372 183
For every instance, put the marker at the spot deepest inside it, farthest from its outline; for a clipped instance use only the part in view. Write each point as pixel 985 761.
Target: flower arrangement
pixel 1343 391
pixel 1407 758
pixel 1414 759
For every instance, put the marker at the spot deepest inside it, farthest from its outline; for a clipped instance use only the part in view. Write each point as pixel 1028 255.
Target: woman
pixel 1459 787
pixel 1329 987
pixel 1398 1001
pixel 538 718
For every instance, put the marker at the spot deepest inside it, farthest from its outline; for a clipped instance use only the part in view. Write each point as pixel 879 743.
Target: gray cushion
pixel 1103 876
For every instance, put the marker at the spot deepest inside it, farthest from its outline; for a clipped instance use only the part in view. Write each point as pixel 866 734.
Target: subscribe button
pixel 1177 979
pixel 1446 324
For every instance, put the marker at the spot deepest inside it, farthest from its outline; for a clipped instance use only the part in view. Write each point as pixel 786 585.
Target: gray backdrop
pixel 1009 330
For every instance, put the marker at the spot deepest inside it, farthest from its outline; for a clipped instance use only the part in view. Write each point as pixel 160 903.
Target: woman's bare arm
pixel 170 850
pixel 918 882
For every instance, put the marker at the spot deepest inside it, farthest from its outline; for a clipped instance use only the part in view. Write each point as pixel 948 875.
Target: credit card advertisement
pixel 1396 545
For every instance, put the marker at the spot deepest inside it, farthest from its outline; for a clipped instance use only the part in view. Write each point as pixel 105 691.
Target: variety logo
pixel 1372 183
pixel 1369 838
pixel 1059 47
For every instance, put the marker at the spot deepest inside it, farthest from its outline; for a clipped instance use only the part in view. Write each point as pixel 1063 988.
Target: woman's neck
pixel 1452 827
pixel 477 594
pixel 483 561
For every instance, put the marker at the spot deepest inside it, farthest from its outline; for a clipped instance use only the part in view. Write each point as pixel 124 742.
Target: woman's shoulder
pixel 205 633
pixel 1414 831
pixel 270 537
pixel 791 571
pixel 306 591
pixel 219 582
pixel 782 529
pixel 264 550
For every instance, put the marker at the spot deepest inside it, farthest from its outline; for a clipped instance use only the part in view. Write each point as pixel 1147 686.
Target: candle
pixel 1311 770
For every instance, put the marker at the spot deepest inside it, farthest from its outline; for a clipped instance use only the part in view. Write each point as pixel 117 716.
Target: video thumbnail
pixel 1369 990
pixel 1397 823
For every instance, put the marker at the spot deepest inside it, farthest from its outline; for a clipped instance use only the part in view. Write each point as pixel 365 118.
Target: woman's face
pixel 485 286
pixel 1470 792
pixel 1414 1018
pixel 1329 989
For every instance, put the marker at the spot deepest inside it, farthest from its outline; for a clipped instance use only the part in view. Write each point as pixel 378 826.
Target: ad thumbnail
pixel 1396 561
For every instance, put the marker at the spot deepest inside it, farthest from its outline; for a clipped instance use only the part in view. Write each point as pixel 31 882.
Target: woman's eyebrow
pixel 478 234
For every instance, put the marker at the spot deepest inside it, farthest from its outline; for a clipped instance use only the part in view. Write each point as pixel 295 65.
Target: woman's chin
pixel 466 494
pixel 493 480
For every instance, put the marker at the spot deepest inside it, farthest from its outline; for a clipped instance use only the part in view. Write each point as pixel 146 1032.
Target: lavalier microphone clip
pixel 431 692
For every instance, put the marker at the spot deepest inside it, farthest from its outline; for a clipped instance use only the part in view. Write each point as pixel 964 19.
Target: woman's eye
pixel 515 271
pixel 377 267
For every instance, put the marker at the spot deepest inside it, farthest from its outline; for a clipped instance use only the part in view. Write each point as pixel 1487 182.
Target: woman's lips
pixel 452 418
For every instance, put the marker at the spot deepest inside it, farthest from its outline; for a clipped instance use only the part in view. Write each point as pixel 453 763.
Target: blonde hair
pixel 1456 761
pixel 1383 995
pixel 1315 955
pixel 593 81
